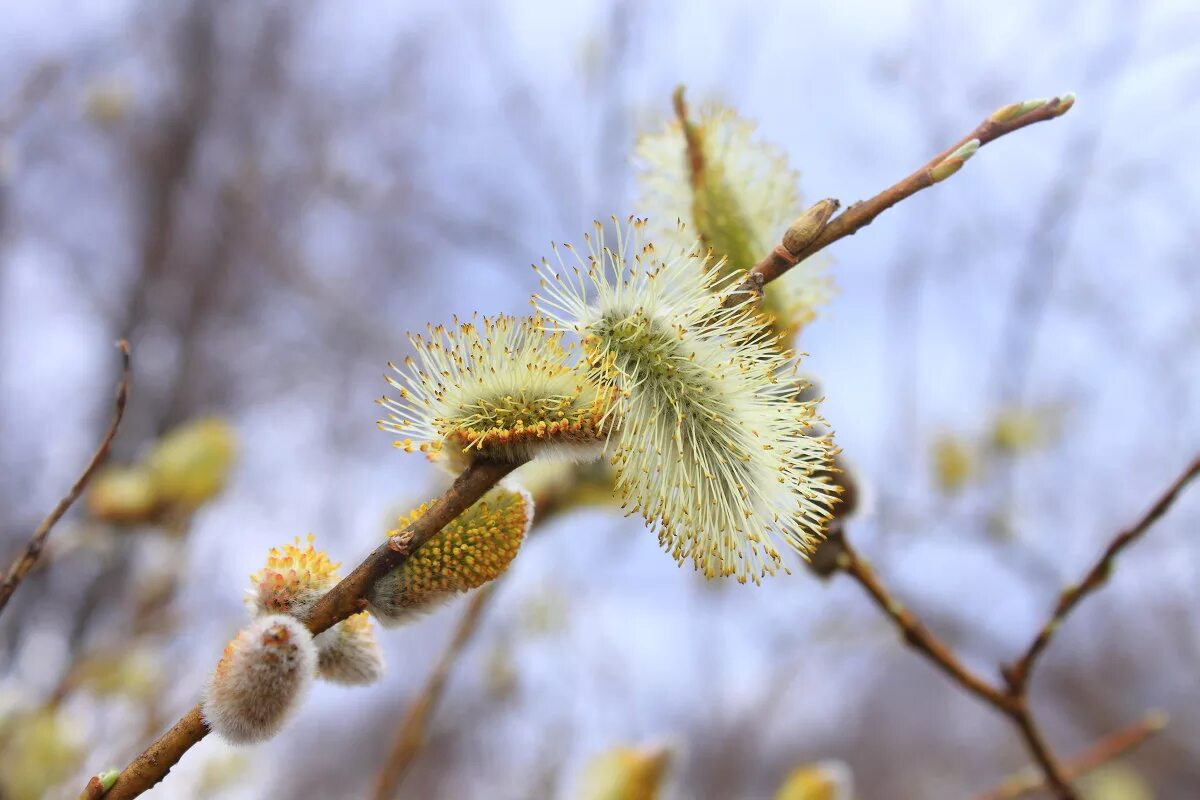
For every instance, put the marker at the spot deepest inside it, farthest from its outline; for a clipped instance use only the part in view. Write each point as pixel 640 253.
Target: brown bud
pixel 801 233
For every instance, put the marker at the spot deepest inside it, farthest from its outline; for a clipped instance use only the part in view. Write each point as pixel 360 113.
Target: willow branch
pixel 26 561
pixel 915 634
pixel 1001 123
pixel 1018 674
pixel 1107 749
pixel 410 736
pixel 343 600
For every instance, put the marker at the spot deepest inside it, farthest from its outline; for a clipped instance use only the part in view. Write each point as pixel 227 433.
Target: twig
pixel 1012 698
pixel 1002 122
pixel 916 635
pixel 1108 749
pixel 410 736
pixel 344 599
pixel 25 562
pixel 1017 675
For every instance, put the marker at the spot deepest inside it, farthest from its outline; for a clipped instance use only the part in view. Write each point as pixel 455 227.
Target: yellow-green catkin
pixel 625 773
pixel 475 548
pixel 737 195
pixel 191 464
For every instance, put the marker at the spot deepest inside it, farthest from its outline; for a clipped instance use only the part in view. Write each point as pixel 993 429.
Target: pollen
pixel 475 548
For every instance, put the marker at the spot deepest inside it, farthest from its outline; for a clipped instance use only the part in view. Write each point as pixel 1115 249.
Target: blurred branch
pixel 1018 674
pixel 344 599
pixel 1012 699
pixel 1107 749
pixel 33 549
pixel 410 736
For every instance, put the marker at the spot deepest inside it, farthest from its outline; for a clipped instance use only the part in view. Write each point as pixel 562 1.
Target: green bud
pixel 953 162
pixel 108 778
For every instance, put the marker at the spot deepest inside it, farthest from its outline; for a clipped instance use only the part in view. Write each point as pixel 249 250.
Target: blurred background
pixel 264 197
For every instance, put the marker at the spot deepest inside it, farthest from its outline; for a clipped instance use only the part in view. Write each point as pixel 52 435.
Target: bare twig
pixel 344 599
pixel 410 736
pixel 1017 675
pixel 1002 122
pixel 1108 749
pixel 25 562
pixel 1012 698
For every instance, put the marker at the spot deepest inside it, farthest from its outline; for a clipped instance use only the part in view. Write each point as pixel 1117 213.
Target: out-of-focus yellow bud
pixel 191 464
pixel 1019 431
pixel 625 773
pixel 954 463
pixel 825 780
pixel 39 754
pixel 122 495
pixel 1116 781
pixel 107 102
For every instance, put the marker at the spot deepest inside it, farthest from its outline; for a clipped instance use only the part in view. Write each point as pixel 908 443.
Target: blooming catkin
pixel 472 550
pixel 260 680
pixel 738 196
pixel 501 388
pixel 713 445
pixel 292 580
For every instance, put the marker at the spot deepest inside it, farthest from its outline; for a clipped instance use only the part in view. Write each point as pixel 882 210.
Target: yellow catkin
pixel 475 548
pixel 191 464
pixel 293 578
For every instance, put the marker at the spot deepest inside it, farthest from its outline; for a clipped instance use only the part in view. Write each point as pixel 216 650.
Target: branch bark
pixel 26 561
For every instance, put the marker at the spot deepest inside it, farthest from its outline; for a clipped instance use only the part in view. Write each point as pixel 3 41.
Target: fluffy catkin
pixel 472 550
pixel 260 680
pixel 500 388
pixel 349 654
pixel 713 445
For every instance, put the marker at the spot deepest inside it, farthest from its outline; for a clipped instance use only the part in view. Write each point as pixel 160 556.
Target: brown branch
pixel 1017 675
pixel 410 736
pixel 1011 699
pixel 25 562
pixel 1002 122
pixel 1109 748
pixel 915 634
pixel 344 599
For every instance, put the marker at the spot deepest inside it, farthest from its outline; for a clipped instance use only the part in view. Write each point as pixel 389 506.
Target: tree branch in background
pixel 1107 749
pixel 344 599
pixel 1012 699
pixel 26 561
pixel 410 736
pixel 1018 674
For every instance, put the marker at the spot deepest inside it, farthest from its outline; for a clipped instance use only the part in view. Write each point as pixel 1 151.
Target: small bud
pixel 475 548
pixel 1064 104
pixel 1013 111
pixel 625 773
pixel 190 464
pixel 349 654
pixel 953 162
pixel 260 680
pixel 824 780
pixel 122 495
pixel 801 233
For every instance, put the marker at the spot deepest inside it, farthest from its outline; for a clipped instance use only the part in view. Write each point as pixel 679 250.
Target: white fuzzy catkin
pixel 260 680
pixel 712 444
pixel 349 654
